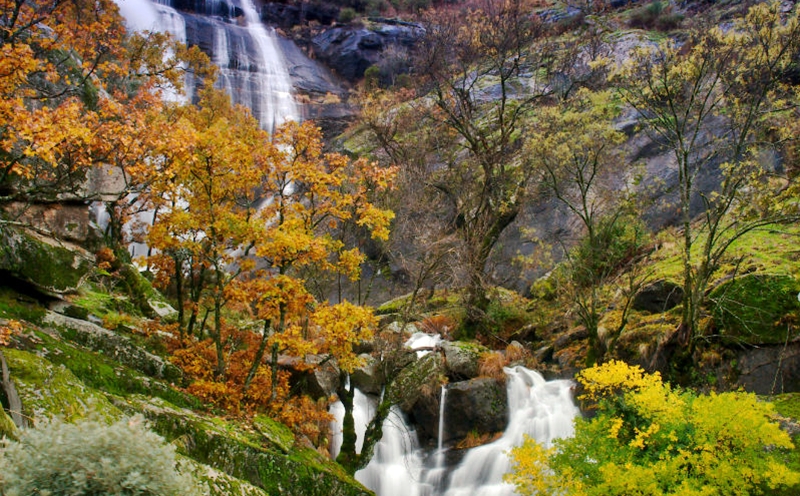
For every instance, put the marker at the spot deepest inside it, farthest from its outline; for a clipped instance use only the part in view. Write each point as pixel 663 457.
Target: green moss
pixel 104 374
pixel 7 427
pixel 246 455
pixel 788 405
pixel 275 432
pixel 216 483
pixel 47 390
pixel 756 308
pixel 49 266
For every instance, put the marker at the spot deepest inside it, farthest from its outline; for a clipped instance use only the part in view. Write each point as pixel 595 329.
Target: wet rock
pixel 349 50
pixel 461 359
pixel 478 405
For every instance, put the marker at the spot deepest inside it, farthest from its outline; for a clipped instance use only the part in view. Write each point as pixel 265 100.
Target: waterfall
pixel 252 66
pixel 273 104
pixel 542 409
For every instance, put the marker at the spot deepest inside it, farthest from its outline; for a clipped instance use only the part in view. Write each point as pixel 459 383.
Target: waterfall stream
pixel 252 66
pixel 541 409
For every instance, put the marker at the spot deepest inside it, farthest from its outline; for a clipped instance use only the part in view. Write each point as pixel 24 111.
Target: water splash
pixel 541 409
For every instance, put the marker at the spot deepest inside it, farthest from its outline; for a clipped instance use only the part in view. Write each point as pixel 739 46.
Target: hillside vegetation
pixel 555 186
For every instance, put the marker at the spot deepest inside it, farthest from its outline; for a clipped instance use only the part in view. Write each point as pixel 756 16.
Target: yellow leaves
pixel 337 328
pixel 642 435
pixel 615 377
pixel 530 471
pixel 648 439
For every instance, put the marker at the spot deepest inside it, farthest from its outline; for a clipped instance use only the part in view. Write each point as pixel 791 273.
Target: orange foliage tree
pixel 73 86
pixel 240 214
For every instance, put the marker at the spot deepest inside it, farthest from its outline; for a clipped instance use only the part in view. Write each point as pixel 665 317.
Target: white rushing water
pixel 542 409
pixel 272 103
pixel 253 69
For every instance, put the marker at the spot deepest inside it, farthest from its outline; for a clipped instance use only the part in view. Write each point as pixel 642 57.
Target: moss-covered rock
pixel 212 482
pixel 102 372
pixel 461 359
pixel 245 455
pixel 756 308
pixel 114 345
pixel 52 266
pixel 47 390
pixel 423 376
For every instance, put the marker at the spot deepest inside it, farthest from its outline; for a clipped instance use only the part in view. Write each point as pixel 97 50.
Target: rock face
pixel 770 369
pixel 349 51
pixel 51 266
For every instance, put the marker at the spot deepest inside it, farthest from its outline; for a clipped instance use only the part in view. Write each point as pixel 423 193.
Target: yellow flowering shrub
pixel 648 438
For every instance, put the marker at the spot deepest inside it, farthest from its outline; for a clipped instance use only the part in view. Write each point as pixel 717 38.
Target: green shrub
pixel 617 240
pixel 91 458
pixel 649 438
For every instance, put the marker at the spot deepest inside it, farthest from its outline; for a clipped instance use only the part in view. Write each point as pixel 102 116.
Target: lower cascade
pixel 543 410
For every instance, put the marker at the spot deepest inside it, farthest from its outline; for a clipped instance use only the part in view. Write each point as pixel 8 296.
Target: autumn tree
pixel 310 197
pixel 646 437
pixel 706 100
pixel 206 203
pixel 68 73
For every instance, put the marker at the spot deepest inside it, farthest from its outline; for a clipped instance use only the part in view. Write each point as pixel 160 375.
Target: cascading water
pixel 541 409
pixel 272 102
pixel 252 67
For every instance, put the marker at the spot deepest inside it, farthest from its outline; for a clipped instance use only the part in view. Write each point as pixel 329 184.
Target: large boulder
pixel 115 346
pixel 368 378
pixel 477 406
pixel 770 369
pixel 52 266
pixel 350 50
pixel 461 359
pixel 658 297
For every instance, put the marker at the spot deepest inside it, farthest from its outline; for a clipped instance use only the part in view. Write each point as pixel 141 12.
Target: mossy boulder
pixel 246 455
pixel 113 345
pixel 422 377
pixel 212 482
pixel 461 359
pixel 51 266
pixel 47 390
pixel 756 308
